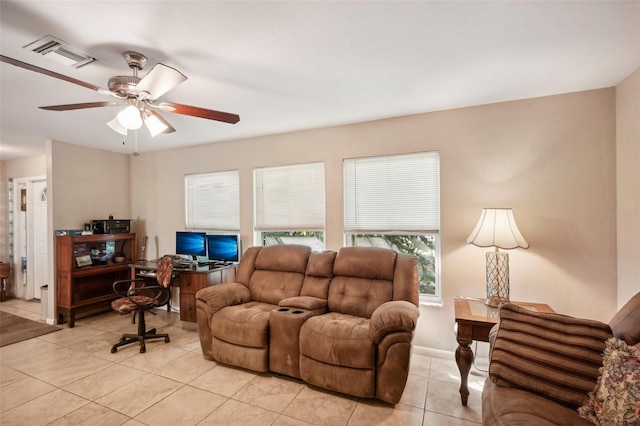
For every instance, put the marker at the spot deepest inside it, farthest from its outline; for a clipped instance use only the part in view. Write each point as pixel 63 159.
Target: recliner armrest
pixel 397 315
pixel 222 295
pixel 304 302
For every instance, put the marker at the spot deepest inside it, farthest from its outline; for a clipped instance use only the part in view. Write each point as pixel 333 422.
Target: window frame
pixel 350 230
pixel 263 224
pixel 195 220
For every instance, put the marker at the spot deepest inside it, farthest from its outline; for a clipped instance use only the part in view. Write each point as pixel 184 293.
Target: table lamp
pixel 497 228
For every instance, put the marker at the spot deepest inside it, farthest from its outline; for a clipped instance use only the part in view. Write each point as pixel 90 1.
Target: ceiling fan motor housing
pixel 124 85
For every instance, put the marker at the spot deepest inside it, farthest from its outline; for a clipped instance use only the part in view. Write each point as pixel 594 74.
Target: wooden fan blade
pixel 70 107
pixel 209 114
pixel 56 75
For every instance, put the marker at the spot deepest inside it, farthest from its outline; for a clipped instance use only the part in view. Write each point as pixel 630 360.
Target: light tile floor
pixel 70 377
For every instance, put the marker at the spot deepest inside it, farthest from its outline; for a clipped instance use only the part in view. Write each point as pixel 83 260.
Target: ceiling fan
pixel 138 95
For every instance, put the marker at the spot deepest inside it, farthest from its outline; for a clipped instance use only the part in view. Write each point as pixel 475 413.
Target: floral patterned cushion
pixel 127 304
pixel 616 397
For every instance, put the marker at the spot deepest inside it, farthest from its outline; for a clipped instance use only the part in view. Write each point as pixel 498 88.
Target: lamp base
pixel 497 278
pixel 495 301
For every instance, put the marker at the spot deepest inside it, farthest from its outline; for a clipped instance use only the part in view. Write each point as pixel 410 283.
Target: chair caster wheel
pixel 167 340
pixel 114 350
pixel 143 350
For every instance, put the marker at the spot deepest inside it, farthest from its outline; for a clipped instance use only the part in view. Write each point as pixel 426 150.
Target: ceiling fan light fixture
pixel 117 127
pixel 154 124
pixel 130 118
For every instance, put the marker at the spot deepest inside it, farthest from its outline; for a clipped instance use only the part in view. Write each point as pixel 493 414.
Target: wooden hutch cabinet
pixel 86 268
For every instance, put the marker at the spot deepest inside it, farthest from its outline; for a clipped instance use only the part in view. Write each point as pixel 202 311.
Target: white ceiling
pixel 285 66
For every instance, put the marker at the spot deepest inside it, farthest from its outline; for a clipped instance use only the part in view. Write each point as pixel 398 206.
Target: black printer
pixel 111 226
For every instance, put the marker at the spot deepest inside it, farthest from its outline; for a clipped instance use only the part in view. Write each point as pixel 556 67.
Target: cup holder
pixel 297 312
pixel 283 309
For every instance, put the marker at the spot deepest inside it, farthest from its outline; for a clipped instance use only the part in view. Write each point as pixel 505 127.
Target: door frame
pixel 24 290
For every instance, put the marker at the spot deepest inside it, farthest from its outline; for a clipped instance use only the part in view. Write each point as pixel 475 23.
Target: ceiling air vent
pixel 60 52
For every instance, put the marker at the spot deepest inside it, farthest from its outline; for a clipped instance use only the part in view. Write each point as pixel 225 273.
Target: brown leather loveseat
pixel 544 367
pixel 343 321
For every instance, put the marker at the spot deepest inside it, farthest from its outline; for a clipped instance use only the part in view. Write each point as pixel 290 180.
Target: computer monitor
pixel 224 247
pixel 192 244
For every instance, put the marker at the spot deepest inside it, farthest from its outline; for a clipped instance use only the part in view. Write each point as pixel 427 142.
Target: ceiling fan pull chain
pixel 135 141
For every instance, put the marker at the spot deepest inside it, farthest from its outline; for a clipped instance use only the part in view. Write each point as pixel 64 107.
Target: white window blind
pixel 392 193
pixel 212 201
pixel 289 198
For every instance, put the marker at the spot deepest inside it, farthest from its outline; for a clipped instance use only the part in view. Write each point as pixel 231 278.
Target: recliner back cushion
pixel 318 275
pixel 273 286
pixel 363 280
pixel 365 262
pixel 284 258
pixel 279 272
pixel 246 267
pixel 626 322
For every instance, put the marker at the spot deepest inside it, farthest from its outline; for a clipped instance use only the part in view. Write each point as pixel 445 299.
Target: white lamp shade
pixel 130 118
pixel 497 228
pixel 156 124
pixel 116 126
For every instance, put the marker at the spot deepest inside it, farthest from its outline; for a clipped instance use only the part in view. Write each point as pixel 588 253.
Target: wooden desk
pixel 474 320
pixel 189 281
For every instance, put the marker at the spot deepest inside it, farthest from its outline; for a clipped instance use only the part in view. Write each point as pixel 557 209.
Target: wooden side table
pixel 474 320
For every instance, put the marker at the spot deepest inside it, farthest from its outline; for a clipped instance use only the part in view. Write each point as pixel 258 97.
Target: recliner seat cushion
pixel 244 324
pixel 338 339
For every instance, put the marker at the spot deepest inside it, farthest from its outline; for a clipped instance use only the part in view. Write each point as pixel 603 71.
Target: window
pixel 212 201
pixel 289 205
pixel 394 202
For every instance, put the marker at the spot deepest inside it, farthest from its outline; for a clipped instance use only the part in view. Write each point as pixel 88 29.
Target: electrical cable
pixel 481 370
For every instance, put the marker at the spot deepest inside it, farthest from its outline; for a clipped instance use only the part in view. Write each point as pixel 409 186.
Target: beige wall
pixel 84 184
pixel 551 159
pixel 628 186
pixel 87 184
pixel 26 167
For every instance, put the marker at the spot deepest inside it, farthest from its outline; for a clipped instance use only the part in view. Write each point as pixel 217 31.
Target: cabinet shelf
pixel 98 269
pixel 90 288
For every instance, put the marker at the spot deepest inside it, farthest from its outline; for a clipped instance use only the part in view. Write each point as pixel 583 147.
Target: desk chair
pixel 141 298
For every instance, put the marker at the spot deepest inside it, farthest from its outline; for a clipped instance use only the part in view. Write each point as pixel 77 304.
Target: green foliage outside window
pixel 313 239
pixel 421 246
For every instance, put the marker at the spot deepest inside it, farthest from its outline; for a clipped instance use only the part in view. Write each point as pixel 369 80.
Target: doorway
pixel 30 231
